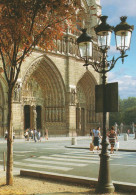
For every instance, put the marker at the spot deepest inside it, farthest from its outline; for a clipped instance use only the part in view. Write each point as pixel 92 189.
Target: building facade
pixel 54 90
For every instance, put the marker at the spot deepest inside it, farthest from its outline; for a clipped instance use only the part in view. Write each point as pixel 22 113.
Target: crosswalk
pixel 64 162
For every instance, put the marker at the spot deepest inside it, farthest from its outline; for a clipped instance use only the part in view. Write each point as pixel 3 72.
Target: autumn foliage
pixel 27 23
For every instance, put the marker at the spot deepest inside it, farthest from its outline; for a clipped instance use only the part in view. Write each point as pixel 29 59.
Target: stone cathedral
pixel 54 90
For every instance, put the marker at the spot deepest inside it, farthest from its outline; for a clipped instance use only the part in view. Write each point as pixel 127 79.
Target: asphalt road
pixel 53 157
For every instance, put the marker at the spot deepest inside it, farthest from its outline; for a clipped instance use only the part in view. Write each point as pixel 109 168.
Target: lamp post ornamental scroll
pixel 103 31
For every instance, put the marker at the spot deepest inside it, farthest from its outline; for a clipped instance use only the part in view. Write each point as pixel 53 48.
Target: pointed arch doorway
pixel 29 119
pixel 86 117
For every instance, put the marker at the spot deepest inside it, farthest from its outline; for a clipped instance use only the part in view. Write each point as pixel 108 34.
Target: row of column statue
pixel 54 114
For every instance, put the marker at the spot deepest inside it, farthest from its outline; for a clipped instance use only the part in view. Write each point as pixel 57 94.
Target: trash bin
pixel 74 141
pixel 125 137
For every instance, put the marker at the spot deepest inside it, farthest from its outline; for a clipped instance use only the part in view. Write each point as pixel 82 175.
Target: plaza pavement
pixel 84 142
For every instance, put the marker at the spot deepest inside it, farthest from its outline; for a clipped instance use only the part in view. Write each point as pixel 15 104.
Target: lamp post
pixel 103 31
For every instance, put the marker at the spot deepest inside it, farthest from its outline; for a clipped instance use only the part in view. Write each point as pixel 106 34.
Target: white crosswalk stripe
pixel 124 165
pixel 42 166
pixel 77 152
pixel 67 159
pixel 54 162
pixel 20 155
pixel 71 156
pixel 22 152
pixel 49 148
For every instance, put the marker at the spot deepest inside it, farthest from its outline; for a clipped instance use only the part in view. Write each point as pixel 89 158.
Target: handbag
pixel 117 146
pixel 91 146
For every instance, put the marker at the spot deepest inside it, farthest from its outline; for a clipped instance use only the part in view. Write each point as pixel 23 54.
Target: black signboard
pixel 111 97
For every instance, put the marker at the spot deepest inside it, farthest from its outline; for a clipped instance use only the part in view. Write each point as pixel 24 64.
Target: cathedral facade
pixel 54 90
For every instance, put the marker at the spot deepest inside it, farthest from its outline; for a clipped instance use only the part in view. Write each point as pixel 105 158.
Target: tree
pixel 128 103
pixel 25 24
pixel 127 112
pixel 116 116
pixel 130 115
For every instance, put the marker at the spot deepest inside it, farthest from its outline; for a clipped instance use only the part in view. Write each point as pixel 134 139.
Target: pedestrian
pixel 38 135
pixel 91 132
pixel 112 138
pixel 96 138
pixel 128 132
pixel 13 135
pixel 46 134
pixel 118 132
pixel 35 135
pixel 26 134
pixel 6 135
pixel 32 133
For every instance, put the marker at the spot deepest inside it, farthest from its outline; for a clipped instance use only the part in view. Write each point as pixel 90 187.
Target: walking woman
pixel 96 138
pixel 112 138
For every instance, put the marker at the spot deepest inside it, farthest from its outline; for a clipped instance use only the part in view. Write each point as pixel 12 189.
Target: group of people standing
pixel 32 134
pixel 96 138
pixel 35 135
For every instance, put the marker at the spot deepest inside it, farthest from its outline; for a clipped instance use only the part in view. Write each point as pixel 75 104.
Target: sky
pixel 124 74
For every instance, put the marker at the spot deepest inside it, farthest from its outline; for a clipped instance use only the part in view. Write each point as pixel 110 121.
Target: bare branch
pixel 6 51
pixel 4 65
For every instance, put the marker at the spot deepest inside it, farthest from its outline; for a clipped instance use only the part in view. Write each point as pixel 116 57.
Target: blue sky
pixel 124 74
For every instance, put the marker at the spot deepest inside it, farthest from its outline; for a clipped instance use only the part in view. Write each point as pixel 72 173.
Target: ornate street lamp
pixel 85 46
pixel 103 31
pixel 123 32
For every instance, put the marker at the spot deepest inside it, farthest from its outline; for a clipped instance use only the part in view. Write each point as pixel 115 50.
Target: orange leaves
pixel 1 70
pixel 27 23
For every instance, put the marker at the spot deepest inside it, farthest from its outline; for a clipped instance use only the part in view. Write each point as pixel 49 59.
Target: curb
pixel 89 182
pixel 87 148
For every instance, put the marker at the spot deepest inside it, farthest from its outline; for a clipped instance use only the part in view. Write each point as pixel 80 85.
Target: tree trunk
pixel 9 171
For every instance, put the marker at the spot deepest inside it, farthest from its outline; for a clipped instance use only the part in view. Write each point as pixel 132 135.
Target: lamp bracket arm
pixel 97 67
pixel 113 61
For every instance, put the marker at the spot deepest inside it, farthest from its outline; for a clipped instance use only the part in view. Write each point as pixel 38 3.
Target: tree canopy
pixel 127 112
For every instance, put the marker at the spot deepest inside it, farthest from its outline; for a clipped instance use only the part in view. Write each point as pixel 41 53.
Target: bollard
pixel 73 141
pixel 4 162
pixel 125 137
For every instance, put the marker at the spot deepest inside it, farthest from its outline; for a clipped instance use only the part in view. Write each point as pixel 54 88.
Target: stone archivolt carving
pixel 32 93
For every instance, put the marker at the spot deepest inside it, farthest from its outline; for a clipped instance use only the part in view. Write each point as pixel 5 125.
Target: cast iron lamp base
pixel 104 181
